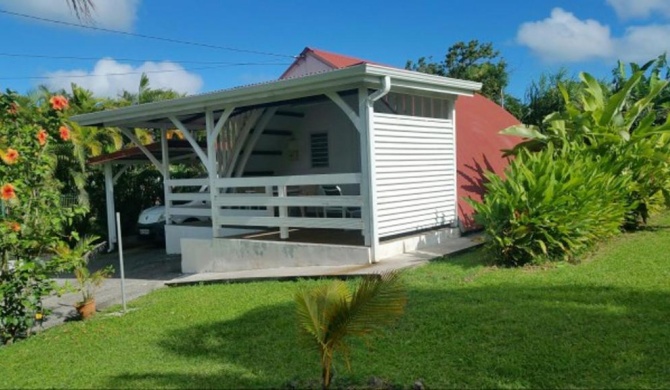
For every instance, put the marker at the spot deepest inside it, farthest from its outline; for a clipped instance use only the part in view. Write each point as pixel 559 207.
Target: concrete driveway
pixel 146 265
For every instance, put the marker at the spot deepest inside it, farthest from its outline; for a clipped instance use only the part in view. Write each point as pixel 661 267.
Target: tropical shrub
pixel 622 127
pixel 553 204
pixel 329 315
pixel 32 220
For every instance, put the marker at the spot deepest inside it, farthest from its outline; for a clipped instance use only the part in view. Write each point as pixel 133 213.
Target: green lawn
pixel 602 324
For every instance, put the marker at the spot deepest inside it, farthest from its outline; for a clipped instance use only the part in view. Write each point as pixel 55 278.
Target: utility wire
pixel 171 40
pixel 20 55
pixel 116 74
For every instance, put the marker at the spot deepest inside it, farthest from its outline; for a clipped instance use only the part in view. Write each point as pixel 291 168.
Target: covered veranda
pixel 274 152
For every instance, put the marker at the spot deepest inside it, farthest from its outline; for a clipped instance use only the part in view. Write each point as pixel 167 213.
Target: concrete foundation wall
pixel 223 255
pixel 416 242
pixel 174 234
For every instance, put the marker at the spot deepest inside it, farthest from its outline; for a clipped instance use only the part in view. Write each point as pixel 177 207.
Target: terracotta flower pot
pixel 86 309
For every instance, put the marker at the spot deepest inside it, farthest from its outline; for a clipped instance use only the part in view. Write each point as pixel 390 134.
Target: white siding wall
pixel 415 173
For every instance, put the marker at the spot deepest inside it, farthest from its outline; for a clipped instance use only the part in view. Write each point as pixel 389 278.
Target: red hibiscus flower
pixel 64 133
pixel 7 192
pixel 14 226
pixel 10 157
pixel 59 102
pixel 42 137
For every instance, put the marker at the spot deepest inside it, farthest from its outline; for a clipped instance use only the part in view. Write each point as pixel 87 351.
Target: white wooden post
pixel 366 210
pixel 109 199
pixel 283 212
pixel 372 178
pixel 166 176
pixel 212 170
pixel 213 131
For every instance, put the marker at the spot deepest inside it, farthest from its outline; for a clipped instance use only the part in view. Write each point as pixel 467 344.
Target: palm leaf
pixel 315 308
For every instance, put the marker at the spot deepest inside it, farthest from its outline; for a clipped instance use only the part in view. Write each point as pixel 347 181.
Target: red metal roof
pixel 478 148
pixel 335 60
pixel 176 148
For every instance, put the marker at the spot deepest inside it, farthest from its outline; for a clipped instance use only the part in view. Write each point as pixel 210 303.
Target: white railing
pixel 194 202
pixel 269 199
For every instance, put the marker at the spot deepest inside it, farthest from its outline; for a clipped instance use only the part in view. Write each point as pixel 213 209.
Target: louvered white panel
pixel 415 162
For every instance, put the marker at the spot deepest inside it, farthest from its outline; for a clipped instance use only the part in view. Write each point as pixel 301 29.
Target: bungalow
pixel 340 161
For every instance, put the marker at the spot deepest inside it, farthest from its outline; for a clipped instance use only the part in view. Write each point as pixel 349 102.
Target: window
pixel 319 150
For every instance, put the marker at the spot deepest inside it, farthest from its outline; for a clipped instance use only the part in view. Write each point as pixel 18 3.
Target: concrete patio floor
pixel 148 268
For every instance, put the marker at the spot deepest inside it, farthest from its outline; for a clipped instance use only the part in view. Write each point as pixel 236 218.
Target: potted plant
pixel 88 282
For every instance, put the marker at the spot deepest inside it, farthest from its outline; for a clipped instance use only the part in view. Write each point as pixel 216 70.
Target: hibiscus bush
pixel 32 221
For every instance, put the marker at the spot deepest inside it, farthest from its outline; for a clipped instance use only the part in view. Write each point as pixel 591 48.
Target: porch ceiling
pixel 176 149
pixel 191 109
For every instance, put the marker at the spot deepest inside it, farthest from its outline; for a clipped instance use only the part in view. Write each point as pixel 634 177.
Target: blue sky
pixel 533 36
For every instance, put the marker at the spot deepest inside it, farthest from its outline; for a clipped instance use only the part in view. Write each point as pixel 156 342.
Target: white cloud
pixel 114 14
pixel 563 37
pixel 109 78
pixel 628 9
pixel 643 43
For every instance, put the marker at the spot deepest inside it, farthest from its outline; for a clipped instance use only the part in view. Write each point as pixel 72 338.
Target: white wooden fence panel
pixel 415 162
pixel 227 203
pixel 336 178
pixel 191 211
pixel 291 201
pixel 186 182
pixel 319 223
pixel 189 196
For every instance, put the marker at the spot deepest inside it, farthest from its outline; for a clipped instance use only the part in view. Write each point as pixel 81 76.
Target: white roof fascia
pixel 287 89
pixel 416 81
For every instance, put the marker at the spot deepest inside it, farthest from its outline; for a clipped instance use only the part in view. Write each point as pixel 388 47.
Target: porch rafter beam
pixel 242 138
pixel 191 140
pixel 258 130
pixel 219 124
pixel 355 118
pixel 131 136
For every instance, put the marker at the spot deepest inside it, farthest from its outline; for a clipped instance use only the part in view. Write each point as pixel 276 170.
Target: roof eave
pixel 352 77
pixel 255 94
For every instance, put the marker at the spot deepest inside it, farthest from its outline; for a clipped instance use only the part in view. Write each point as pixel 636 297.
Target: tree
pixel 543 96
pixel 329 315
pixel 470 61
pixel 657 68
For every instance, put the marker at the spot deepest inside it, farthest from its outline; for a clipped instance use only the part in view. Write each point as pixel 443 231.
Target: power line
pixel 19 55
pixel 117 74
pixel 145 36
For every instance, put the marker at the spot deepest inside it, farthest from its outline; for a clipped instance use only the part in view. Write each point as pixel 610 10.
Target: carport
pixel 160 154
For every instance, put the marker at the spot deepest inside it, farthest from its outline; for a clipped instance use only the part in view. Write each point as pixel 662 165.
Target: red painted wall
pixel 478 122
